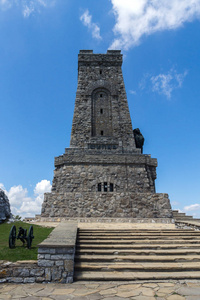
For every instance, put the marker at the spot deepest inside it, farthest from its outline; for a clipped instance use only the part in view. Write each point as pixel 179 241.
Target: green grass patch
pixel 20 252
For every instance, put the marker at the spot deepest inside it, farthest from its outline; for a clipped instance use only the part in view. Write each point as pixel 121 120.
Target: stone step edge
pixel 131 276
pixel 141 258
pixel 139 252
pixel 161 237
pixel 91 231
pixel 132 234
pixel 134 242
pixel 138 246
pixel 144 267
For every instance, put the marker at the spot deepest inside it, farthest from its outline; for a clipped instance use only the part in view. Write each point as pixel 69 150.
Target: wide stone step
pixel 127 231
pixel 134 267
pixel 131 276
pixel 139 241
pixel 139 236
pixel 138 246
pixel 134 258
pixel 138 252
pixel 137 255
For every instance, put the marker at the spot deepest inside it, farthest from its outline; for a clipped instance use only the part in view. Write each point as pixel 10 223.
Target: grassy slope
pixel 20 252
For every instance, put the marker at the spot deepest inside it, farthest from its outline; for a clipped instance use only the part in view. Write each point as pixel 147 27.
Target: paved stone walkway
pixel 173 290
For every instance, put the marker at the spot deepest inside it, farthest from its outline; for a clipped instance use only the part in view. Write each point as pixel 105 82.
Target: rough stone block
pixel 45 263
pixel 56 274
pixel 58 257
pixel 46 250
pixel 59 263
pixel 21 272
pixel 39 279
pixel 37 272
pixel 69 279
pixel 48 274
pixel 29 280
pixel 15 279
pixel 40 256
pixel 69 265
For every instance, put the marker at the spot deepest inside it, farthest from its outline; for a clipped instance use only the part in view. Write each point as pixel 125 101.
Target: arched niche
pixel 101 113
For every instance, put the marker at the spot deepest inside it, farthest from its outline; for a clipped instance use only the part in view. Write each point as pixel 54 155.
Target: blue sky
pixel 39 45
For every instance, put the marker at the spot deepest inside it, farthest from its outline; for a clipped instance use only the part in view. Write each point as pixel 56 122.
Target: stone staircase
pixel 103 254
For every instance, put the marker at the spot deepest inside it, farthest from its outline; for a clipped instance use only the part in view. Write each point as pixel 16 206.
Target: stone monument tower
pixel 103 174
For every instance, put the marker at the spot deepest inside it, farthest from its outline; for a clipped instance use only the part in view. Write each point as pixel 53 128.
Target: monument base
pixel 105 205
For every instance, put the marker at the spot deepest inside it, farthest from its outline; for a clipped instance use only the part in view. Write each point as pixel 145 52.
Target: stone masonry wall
pixel 53 265
pixel 113 205
pixel 55 259
pixel 96 73
pixel 130 177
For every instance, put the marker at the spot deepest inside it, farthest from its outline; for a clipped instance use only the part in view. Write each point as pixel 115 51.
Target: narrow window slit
pixel 105 186
pixel 99 187
pixel 111 187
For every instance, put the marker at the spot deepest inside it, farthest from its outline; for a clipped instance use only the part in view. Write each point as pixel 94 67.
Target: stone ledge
pixel 56 253
pixel 55 259
pixel 85 157
pixel 107 220
pixel 64 236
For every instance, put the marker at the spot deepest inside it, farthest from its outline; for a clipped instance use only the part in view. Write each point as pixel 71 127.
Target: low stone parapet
pixel 56 253
pixel 20 272
pixel 55 259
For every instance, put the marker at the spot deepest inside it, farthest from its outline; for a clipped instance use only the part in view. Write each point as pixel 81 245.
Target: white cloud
pixel 167 83
pixel 2 186
pixel 27 11
pixel 137 18
pixel 192 207
pixel 44 186
pixel 132 92
pixel 86 19
pixel 164 83
pixel 28 7
pixel 23 205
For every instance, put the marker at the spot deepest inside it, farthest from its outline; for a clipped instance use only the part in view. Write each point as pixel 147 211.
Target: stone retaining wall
pixel 107 205
pixel 55 259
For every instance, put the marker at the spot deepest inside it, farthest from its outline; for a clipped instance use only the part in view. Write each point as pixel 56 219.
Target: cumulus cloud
pixel 86 19
pixel 167 83
pixel 23 205
pixel 135 19
pixel 164 83
pixel 192 207
pixel 28 7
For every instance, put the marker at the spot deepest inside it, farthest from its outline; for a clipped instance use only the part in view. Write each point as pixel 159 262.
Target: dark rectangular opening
pixel 111 187
pixel 99 187
pixel 105 187
pixel 101 110
pixel 101 132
